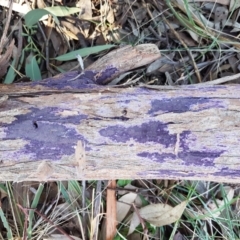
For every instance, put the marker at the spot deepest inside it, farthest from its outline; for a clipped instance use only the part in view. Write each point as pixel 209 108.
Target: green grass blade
pixel 31 212
pixel 6 225
pixel 64 192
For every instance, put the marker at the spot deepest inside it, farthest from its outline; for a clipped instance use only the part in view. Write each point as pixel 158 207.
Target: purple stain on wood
pixel 173 174
pixel 75 80
pixel 179 105
pixel 155 156
pixel 48 150
pixel 188 136
pixel 106 75
pixel 65 81
pixel 234 173
pixel 202 158
pixel 185 136
pixel 189 157
pixel 205 157
pixel 153 131
pixel 51 139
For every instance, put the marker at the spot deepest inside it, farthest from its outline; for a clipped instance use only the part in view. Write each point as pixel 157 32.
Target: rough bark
pixel 60 130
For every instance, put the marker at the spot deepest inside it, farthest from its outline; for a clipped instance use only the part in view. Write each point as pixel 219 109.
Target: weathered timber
pixel 60 129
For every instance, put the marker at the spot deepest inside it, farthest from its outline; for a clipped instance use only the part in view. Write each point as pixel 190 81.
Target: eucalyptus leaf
pixel 32 69
pixel 33 16
pixel 61 11
pixel 11 74
pixel 83 52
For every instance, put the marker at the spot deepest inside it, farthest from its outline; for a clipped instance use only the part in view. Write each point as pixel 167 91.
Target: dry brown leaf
pixel 194 36
pixel 222 80
pixel 237 206
pixel 4 38
pixel 86 13
pixel 62 46
pixel 40 4
pixel 228 193
pixel 139 14
pixel 162 214
pixel 232 61
pixel 18 51
pixel 170 82
pixel 58 40
pixel 17 7
pixel 135 221
pixel 86 8
pixel 234 4
pixel 158 214
pixel 185 38
pixel 214 208
pixel 220 15
pixel 159 63
pixel 70 34
pixel 107 12
pixel 199 18
pixel 222 2
pixel 134 28
pixel 234 24
pixel 124 204
pixel 69 65
pixel 135 236
pixel 128 186
pixel 178 236
pixel 4 59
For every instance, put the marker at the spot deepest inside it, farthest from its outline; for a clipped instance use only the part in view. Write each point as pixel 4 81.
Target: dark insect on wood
pixel 35 124
pixel 124 112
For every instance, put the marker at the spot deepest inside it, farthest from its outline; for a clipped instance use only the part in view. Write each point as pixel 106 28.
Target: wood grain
pixel 190 132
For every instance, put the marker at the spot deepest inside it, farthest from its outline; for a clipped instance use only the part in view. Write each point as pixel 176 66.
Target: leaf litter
pixel 199 44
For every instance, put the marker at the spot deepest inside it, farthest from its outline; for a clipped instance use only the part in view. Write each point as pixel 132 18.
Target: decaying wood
pixel 185 133
pixel 60 130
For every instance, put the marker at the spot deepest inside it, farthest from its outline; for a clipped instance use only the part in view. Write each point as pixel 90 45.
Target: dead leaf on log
pixel 4 59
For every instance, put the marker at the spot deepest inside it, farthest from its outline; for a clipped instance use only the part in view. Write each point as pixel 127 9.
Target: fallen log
pixel 59 129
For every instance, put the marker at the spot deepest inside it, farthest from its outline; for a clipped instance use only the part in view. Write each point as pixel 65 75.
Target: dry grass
pixel 61 210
